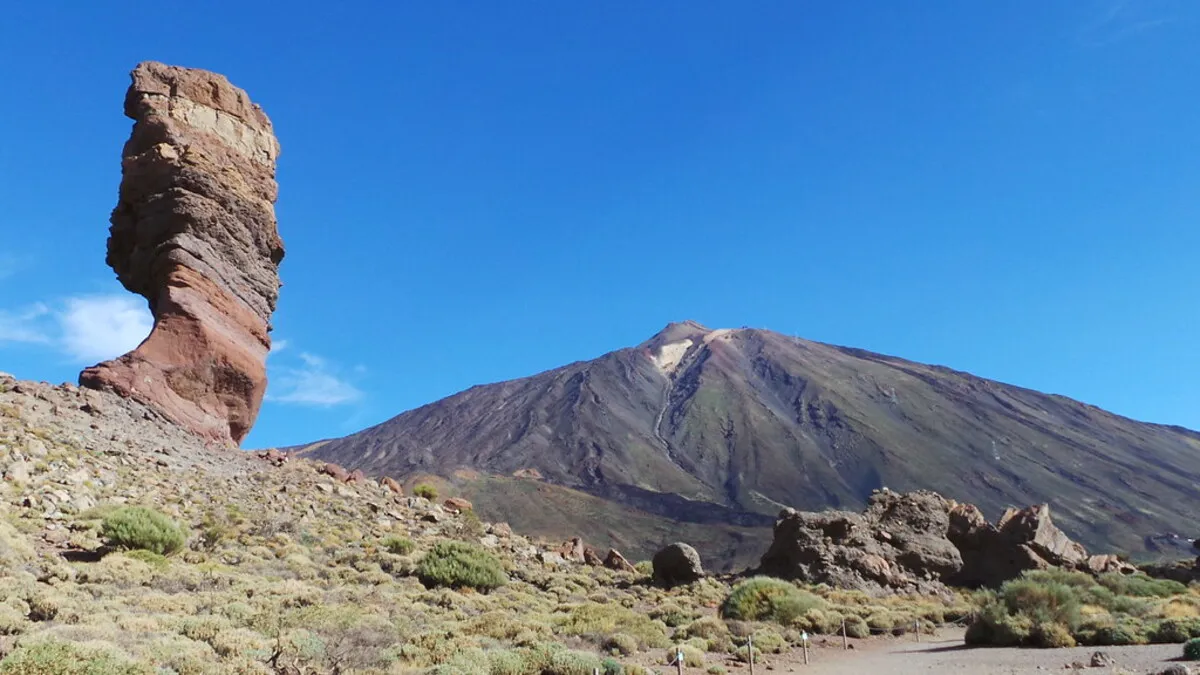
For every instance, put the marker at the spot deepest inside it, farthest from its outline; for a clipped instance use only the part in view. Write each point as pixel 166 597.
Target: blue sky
pixel 475 191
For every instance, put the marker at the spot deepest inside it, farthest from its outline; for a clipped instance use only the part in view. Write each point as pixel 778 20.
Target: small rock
pixel 356 476
pixel 615 561
pixel 458 505
pixel 1102 660
pixel 1175 669
pixel 18 472
pixel 336 472
pixel 489 540
pixel 391 484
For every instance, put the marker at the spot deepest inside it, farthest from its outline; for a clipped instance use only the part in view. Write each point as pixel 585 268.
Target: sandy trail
pixel 946 653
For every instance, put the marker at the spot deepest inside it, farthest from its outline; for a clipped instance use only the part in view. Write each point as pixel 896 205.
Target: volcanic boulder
pixel 677 564
pixel 194 232
pixel 898 543
pixel 920 541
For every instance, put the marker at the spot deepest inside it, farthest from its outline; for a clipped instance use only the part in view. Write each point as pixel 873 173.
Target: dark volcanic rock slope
pixel 729 425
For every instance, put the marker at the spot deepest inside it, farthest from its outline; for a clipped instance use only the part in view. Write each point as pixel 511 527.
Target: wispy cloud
pixel 100 327
pixel 311 380
pixel 276 347
pixel 1116 21
pixel 85 329
pixel 26 325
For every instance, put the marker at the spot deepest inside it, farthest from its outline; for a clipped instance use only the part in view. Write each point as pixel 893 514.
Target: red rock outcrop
pixel 194 232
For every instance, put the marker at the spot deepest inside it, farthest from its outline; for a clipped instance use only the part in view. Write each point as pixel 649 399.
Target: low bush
pixel 426 491
pixel 1169 631
pixel 1191 650
pixel 457 564
pixel 767 599
pixel 62 658
pixel 603 622
pixel 621 644
pixel 397 545
pixel 142 528
pixel 692 657
pixel 1140 585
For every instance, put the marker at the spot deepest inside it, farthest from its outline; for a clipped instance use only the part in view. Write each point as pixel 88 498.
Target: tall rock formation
pixel 194 232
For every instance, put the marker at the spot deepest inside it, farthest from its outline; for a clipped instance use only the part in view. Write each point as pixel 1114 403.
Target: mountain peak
pixel 677 331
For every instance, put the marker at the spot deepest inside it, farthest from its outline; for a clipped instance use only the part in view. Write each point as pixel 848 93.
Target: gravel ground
pixel 946 653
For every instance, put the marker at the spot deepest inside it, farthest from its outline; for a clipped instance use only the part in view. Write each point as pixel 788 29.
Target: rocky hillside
pixel 284 569
pixel 725 427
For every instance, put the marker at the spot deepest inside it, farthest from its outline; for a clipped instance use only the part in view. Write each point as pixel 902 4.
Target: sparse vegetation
pixel 1057 608
pixel 52 657
pixel 426 491
pixel 142 528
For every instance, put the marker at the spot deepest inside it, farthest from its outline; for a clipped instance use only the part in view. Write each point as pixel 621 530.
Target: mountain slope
pixel 726 426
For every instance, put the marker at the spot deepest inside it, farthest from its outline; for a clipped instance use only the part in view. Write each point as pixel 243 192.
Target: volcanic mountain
pixel 711 432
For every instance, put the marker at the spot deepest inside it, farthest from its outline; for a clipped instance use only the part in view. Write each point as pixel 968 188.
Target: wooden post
pixel 804 642
pixel 679 660
pixel 917 625
pixel 750 653
pixel 845 640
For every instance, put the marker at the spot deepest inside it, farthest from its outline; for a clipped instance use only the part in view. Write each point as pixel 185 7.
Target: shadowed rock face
pixel 194 233
pixel 921 541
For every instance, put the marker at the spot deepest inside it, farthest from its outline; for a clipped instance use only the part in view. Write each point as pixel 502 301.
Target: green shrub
pixel 1125 631
pixel 142 528
pixel 1170 631
pixel 570 662
pixel 457 564
pixel 672 614
pixel 856 627
pixel 692 657
pixel 155 560
pixel 503 662
pixel 1191 650
pixel 426 491
pixel 621 644
pixel 1051 635
pixel 611 666
pixel 594 620
pixel 1141 586
pixel 744 653
pixel 62 658
pixel 644 568
pixel 767 599
pixel 397 545
pixel 769 641
pixel 1043 602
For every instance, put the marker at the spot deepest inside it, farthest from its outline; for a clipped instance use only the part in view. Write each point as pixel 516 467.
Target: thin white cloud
pixel 276 347
pixel 28 325
pixel 100 327
pixel 313 382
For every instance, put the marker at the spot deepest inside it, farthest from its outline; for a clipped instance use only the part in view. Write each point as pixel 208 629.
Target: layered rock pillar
pixel 194 232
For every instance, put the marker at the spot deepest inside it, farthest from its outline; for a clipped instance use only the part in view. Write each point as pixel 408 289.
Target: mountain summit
pixel 725 427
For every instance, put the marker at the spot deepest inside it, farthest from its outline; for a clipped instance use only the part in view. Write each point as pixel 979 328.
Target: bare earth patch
pixel 946 653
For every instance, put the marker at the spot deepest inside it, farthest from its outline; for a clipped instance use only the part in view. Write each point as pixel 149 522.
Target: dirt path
pixel 946 653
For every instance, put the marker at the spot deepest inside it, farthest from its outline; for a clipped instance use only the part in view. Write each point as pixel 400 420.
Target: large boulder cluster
pixel 921 542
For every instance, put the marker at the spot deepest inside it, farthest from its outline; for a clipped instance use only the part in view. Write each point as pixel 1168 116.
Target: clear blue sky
pixel 476 191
